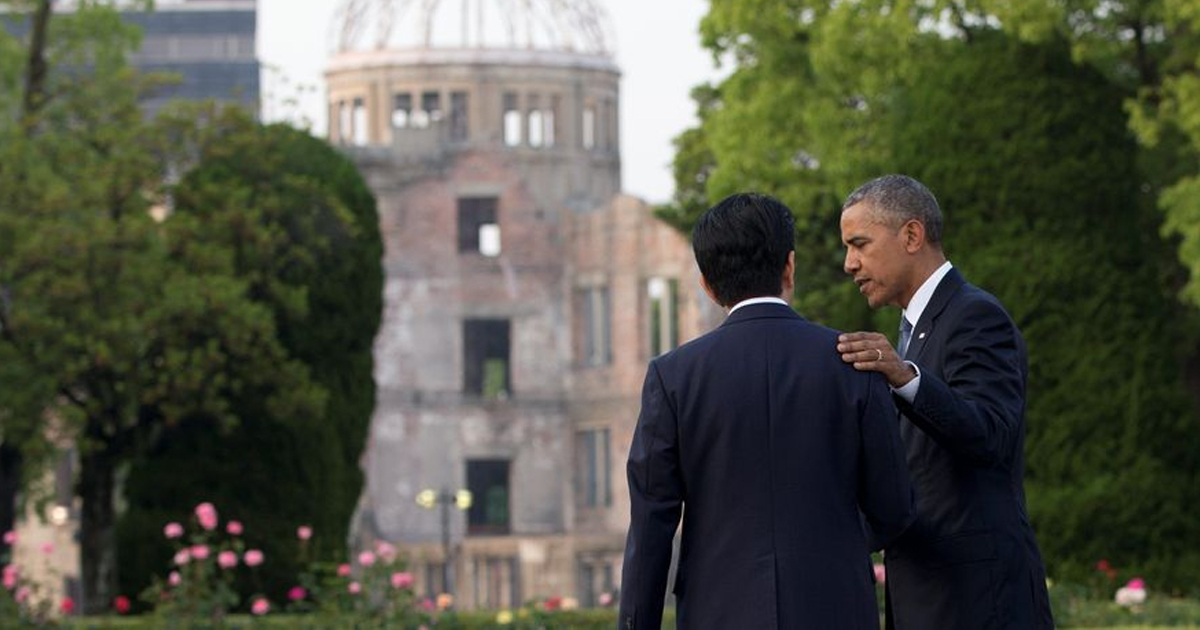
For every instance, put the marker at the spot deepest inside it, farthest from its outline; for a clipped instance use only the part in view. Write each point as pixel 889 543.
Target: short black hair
pixel 899 199
pixel 742 246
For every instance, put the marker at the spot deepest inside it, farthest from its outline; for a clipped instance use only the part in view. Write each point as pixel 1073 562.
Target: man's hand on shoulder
pixel 872 352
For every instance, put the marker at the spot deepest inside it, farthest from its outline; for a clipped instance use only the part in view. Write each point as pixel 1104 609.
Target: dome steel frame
pixel 578 26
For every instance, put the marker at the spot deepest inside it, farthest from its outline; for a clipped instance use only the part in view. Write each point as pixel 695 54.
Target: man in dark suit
pixel 769 445
pixel 969 561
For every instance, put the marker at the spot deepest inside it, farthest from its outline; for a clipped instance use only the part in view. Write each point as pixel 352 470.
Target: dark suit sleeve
pixel 656 502
pixel 975 411
pixel 885 494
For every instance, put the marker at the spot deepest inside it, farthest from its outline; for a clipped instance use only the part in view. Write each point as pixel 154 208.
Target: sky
pixel 657 48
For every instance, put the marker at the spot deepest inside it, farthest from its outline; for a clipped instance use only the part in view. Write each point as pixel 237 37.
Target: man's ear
pixel 913 233
pixel 709 290
pixel 789 277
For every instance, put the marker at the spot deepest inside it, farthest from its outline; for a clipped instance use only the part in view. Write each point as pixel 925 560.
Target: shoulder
pixel 780 332
pixel 972 302
pixel 975 317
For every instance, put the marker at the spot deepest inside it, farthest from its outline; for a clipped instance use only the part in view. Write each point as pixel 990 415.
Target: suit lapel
pixel 945 291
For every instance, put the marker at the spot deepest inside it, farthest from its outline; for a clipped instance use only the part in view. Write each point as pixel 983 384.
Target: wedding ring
pixel 880 353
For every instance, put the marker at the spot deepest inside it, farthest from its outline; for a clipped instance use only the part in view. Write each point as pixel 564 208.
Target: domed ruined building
pixel 524 293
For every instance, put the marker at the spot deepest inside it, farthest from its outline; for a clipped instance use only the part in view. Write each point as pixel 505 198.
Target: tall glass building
pixel 209 44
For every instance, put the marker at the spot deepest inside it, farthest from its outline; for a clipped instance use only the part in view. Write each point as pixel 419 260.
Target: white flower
pixel 1127 596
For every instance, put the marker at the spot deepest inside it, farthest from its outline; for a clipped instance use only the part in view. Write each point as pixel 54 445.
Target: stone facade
pixel 524 296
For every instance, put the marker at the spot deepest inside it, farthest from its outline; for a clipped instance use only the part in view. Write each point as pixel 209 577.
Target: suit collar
pixel 760 311
pixel 946 289
pixel 920 299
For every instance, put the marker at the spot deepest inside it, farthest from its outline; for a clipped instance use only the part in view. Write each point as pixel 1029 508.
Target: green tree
pixel 315 260
pixel 115 325
pixel 1151 48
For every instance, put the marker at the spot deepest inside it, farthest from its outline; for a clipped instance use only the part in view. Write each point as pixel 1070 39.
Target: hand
pixel 872 352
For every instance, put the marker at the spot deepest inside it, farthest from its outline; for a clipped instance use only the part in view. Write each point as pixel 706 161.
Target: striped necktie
pixel 905 336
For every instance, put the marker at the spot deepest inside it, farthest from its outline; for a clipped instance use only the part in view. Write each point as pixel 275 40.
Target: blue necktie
pixel 905 336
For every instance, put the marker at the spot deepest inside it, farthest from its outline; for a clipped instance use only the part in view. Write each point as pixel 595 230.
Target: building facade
pixel 524 296
pixel 208 44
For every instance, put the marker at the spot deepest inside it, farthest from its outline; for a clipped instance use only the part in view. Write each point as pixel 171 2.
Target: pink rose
pixel 366 558
pixel 354 588
pixel 234 528
pixel 22 594
pixel 173 530
pixel 121 604
pixel 183 556
pixel 297 593
pixel 227 559
pixel 200 552
pixel 10 576
pixel 1136 583
pixel 880 573
pixel 67 605
pixel 253 558
pixel 207 515
pixel 48 548
pixel 10 538
pixel 606 598
pixel 174 579
pixel 402 580
pixel 260 606
pixel 304 532
pixel 343 570
pixel 427 605
pixel 386 551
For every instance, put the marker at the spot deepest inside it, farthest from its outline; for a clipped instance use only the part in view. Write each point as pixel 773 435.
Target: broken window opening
pixel 589 128
pixel 663 296
pixel 486 363
pixel 360 123
pixel 487 479
pixel 535 126
pixel 402 113
pixel 512 120
pixel 458 116
pixel 595 325
pixel 479 225
pixel 593 484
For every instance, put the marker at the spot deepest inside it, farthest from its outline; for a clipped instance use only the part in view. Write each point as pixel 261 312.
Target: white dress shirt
pixel 757 300
pixel 916 306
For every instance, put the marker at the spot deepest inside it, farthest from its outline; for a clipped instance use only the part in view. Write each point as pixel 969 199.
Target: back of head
pixel 898 199
pixel 742 246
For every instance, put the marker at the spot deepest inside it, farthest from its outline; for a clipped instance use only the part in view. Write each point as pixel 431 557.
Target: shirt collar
pixel 920 299
pixel 757 300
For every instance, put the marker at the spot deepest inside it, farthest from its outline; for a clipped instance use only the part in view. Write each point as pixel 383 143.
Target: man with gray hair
pixel 969 561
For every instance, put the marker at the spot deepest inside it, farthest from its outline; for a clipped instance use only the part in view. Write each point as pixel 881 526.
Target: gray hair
pixel 899 199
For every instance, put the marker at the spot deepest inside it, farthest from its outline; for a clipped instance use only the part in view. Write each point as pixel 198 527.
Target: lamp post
pixel 429 499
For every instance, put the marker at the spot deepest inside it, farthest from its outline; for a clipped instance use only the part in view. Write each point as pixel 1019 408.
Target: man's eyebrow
pixel 857 239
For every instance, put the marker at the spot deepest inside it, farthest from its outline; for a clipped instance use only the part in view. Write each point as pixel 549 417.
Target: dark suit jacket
pixel 769 445
pixel 970 560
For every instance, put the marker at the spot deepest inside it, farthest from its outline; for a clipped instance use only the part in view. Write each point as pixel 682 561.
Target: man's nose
pixel 851 263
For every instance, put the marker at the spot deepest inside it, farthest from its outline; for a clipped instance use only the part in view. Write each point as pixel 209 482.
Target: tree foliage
pixel 314 258
pixel 122 326
pixel 1038 174
pixel 1017 116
